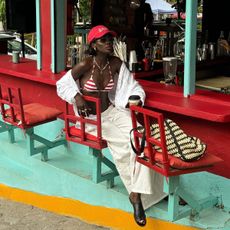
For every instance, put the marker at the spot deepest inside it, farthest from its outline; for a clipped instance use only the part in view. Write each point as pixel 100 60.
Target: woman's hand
pixel 134 100
pixel 82 107
pixel 129 104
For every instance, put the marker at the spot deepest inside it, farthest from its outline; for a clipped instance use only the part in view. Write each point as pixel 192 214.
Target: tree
pixel 3 13
pixel 85 9
pixel 180 5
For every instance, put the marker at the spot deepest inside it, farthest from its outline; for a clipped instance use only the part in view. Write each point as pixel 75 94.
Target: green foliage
pixel 171 1
pixel 85 9
pixel 3 11
pixel 199 5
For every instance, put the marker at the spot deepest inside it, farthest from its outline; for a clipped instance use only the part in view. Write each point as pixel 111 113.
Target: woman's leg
pixel 138 210
pixel 116 127
pixel 143 184
pixel 136 177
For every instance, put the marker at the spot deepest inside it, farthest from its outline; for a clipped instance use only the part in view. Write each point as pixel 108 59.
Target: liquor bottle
pixel 229 43
pixel 158 51
pixel 220 49
pixel 229 37
pixel 206 37
pixel 204 55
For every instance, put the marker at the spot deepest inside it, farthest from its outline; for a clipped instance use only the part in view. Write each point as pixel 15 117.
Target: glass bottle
pixel 204 55
pixel 220 48
pixel 229 43
pixel 229 37
pixel 158 50
pixel 206 37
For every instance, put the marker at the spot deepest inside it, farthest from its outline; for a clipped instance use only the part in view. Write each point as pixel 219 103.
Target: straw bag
pixel 178 143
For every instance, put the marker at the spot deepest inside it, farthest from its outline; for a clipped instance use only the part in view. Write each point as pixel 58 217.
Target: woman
pixel 104 75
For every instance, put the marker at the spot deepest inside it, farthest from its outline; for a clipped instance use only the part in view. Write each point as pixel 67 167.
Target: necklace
pixel 103 68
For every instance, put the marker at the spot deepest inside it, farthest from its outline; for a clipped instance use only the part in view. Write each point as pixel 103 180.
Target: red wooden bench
pixel 201 113
pixel 169 166
pixel 4 126
pixel 15 114
pixel 95 142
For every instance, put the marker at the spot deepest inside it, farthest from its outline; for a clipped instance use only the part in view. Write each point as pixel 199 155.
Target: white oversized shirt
pixel 125 86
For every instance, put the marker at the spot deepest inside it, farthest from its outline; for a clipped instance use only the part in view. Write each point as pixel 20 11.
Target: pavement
pixel 18 216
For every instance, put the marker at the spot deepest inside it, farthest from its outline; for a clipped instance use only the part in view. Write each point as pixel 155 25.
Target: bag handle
pixel 139 128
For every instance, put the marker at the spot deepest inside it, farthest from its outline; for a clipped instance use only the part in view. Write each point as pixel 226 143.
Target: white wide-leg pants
pixel 116 126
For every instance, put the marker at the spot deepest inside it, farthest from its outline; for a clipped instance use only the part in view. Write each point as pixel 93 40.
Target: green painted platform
pixel 68 173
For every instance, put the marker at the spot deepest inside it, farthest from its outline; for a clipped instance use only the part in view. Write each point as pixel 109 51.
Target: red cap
pixel 98 32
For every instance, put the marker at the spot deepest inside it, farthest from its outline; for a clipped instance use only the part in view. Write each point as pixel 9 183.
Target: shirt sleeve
pixel 67 88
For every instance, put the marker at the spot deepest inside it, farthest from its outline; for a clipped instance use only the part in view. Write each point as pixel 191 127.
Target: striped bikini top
pixel 90 84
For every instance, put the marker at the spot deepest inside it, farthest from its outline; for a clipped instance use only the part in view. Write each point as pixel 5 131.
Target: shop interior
pixel 150 40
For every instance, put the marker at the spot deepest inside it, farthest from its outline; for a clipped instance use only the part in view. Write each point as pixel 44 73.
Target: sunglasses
pixel 105 39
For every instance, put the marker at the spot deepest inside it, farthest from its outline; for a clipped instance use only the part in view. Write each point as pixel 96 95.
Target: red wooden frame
pixel 79 135
pixel 151 157
pixel 11 101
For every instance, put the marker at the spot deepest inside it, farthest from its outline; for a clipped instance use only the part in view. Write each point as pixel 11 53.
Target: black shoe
pixel 139 213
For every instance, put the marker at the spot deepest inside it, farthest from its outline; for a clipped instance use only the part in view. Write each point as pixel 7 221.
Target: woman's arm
pixel 81 68
pixel 68 87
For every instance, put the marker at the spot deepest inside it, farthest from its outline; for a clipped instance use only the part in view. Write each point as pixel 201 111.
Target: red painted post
pixel 45 35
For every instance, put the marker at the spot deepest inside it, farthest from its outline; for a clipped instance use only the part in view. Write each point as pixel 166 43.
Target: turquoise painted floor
pixel 68 174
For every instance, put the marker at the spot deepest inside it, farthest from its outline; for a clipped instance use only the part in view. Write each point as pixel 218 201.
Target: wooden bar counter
pixel 205 114
pixel 36 85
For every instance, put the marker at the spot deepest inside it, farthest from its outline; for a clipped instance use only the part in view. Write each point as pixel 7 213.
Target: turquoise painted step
pixel 68 174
